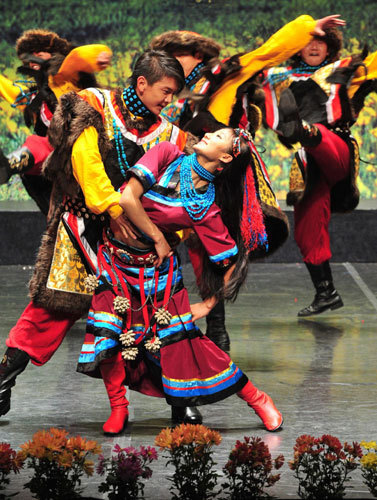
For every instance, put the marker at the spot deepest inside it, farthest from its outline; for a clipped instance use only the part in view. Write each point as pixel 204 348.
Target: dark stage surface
pixel 320 372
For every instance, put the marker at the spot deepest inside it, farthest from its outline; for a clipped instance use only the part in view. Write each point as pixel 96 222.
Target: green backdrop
pixel 239 25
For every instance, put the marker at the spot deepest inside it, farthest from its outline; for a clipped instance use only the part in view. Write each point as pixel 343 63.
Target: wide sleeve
pixel 81 59
pixel 214 235
pixel 286 42
pixel 11 91
pixel 151 165
pixel 366 72
pixel 89 171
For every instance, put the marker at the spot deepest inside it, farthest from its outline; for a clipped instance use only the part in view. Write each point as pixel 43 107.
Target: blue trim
pixel 224 255
pixel 164 200
pixel 145 171
pixel 201 388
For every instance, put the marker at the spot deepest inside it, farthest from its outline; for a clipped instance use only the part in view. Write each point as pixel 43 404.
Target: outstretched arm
pixel 286 42
pixel 201 309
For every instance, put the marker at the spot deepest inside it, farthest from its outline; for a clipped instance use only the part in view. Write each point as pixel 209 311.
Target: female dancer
pixel 140 309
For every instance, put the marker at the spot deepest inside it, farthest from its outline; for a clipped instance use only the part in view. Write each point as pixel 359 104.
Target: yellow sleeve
pixel 89 171
pixel 82 58
pixel 9 91
pixel 362 74
pixel 281 46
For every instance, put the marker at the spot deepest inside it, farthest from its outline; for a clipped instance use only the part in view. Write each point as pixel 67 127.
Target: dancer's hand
pixel 123 226
pixel 104 60
pixel 327 22
pixel 202 309
pixel 163 250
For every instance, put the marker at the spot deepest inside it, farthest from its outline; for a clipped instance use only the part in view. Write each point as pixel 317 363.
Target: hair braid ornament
pixel 253 229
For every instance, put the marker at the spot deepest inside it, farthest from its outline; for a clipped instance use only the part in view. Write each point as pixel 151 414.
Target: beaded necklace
pixel 134 103
pixel 194 74
pixel 23 94
pixel 121 154
pixel 196 204
pixel 302 69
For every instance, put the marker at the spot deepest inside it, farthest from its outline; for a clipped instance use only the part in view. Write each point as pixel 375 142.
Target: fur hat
pixel 179 42
pixel 42 41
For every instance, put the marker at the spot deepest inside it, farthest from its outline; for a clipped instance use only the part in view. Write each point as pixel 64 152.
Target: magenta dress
pixel 188 369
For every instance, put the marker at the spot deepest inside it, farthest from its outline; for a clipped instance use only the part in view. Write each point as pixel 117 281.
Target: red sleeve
pixel 214 235
pixel 155 161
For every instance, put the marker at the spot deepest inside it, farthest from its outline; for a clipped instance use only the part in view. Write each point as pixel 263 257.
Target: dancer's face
pixel 215 146
pixel 189 61
pixel 42 55
pixel 315 52
pixel 157 95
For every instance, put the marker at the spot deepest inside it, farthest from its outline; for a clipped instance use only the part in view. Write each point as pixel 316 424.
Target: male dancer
pixel 314 102
pixel 57 67
pixel 225 92
pixel 100 133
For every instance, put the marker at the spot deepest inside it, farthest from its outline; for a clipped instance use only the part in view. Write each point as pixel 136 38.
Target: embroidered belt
pixel 127 254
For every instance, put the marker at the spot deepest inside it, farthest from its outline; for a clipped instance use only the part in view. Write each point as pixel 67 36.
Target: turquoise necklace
pixel 196 204
pixel 121 154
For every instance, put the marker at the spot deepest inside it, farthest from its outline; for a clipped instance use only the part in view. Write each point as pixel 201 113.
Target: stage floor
pixel 320 372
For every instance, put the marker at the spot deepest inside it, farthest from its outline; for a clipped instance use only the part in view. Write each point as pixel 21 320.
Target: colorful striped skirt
pixel 165 353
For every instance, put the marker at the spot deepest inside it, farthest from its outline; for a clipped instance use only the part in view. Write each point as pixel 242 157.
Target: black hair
pixel 334 40
pixel 229 186
pixel 155 65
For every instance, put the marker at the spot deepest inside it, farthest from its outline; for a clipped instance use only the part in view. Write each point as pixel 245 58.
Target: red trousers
pixel 312 215
pixel 40 148
pixel 39 332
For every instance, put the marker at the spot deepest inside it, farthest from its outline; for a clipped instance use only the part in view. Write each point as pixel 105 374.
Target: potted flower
pixel 58 462
pixel 10 461
pixel 189 450
pixel 249 469
pixel 369 466
pixel 125 471
pixel 322 466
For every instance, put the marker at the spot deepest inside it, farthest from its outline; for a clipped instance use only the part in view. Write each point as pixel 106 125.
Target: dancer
pixel 314 102
pixel 226 93
pixel 57 67
pixel 140 304
pixel 97 134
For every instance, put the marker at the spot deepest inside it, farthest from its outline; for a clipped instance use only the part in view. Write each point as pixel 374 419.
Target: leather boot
pixel 216 330
pixel 292 128
pixel 114 374
pixel 263 406
pixel 186 415
pixel 18 162
pixel 326 296
pixel 13 363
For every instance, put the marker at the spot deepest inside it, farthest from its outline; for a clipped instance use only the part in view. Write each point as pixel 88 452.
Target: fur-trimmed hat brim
pixel 178 42
pixel 42 41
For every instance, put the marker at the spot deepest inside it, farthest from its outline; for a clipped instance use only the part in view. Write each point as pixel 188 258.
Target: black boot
pixel 326 296
pixel 18 162
pixel 13 363
pixel 216 330
pixel 292 128
pixel 186 415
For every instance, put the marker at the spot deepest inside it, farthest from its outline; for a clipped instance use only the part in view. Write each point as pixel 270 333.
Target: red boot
pixel 263 406
pixel 113 374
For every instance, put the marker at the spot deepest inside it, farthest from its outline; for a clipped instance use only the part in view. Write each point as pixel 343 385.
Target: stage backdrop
pixel 128 25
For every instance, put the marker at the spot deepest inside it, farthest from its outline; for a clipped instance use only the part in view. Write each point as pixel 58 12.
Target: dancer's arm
pixel 89 171
pixel 286 42
pixel 202 309
pixel 10 91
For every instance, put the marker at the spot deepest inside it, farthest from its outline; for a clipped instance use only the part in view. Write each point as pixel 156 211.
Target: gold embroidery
pixel 265 193
pixel 296 181
pixel 67 271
